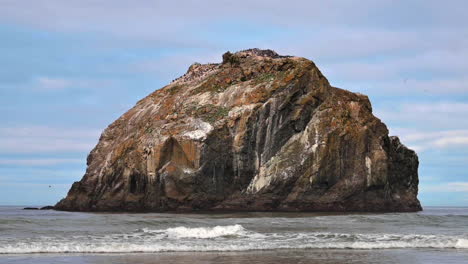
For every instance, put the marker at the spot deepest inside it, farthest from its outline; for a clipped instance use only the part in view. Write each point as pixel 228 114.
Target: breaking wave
pixel 201 232
pixel 224 238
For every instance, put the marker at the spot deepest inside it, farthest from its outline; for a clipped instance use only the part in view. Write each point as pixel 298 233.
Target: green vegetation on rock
pixel 209 113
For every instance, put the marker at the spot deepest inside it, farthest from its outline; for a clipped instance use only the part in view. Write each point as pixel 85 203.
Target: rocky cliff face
pixel 258 132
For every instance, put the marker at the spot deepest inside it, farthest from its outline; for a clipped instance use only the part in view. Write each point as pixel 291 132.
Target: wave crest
pixel 201 232
pixel 225 238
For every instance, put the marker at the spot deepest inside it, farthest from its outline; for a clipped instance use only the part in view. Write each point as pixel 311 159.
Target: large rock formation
pixel 258 132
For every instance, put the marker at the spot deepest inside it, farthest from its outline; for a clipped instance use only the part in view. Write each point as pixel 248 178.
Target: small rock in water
pixel 30 208
pixel 48 207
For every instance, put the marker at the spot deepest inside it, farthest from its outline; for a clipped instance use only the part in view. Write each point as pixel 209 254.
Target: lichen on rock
pixel 257 132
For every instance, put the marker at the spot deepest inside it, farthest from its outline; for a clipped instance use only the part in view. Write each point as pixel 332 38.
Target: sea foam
pixel 201 232
pixel 225 238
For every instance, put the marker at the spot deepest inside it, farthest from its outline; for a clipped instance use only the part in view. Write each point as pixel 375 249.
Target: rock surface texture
pixel 257 132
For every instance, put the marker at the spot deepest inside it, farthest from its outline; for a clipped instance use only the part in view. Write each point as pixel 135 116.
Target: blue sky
pixel 69 68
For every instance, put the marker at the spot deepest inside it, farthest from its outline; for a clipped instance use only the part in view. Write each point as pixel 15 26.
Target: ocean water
pixel 435 235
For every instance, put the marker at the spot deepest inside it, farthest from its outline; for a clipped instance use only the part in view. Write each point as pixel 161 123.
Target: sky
pixel 70 68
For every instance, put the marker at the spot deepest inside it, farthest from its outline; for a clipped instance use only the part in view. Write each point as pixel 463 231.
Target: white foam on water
pixel 202 232
pixel 462 243
pixel 224 238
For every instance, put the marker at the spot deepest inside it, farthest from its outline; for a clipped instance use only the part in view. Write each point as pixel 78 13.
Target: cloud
pixel 428 125
pixel 415 135
pixel 39 162
pixel 436 87
pixel 426 140
pixel 172 66
pixel 425 117
pixel 446 187
pixel 32 193
pixel 407 72
pixel 46 83
pixel 48 132
pixel 38 145
pixel 439 70
pixel 79 14
pixel 319 23
pixel 394 47
pixel 56 84
pixel 452 141
pixel 438 107
pixel 355 45
pixel 41 174
pixel 39 139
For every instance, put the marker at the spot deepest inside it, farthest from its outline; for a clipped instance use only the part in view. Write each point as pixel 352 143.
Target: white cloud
pixel 38 174
pixel 446 187
pixel 426 140
pixel 48 132
pixel 38 139
pixel 173 66
pixel 332 27
pixel 46 83
pixel 438 107
pixel 435 71
pixel 80 14
pixel 426 117
pixel 457 141
pixel 39 162
pixel 434 57
pixel 428 125
pixel 378 44
pixel 37 145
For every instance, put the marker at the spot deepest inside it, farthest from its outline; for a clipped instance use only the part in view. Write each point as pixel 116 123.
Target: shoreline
pixel 282 256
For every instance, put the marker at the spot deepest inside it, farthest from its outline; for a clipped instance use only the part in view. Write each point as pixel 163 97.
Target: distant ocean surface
pixel 435 235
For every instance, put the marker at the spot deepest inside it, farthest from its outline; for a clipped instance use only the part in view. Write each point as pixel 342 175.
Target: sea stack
pixel 257 132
